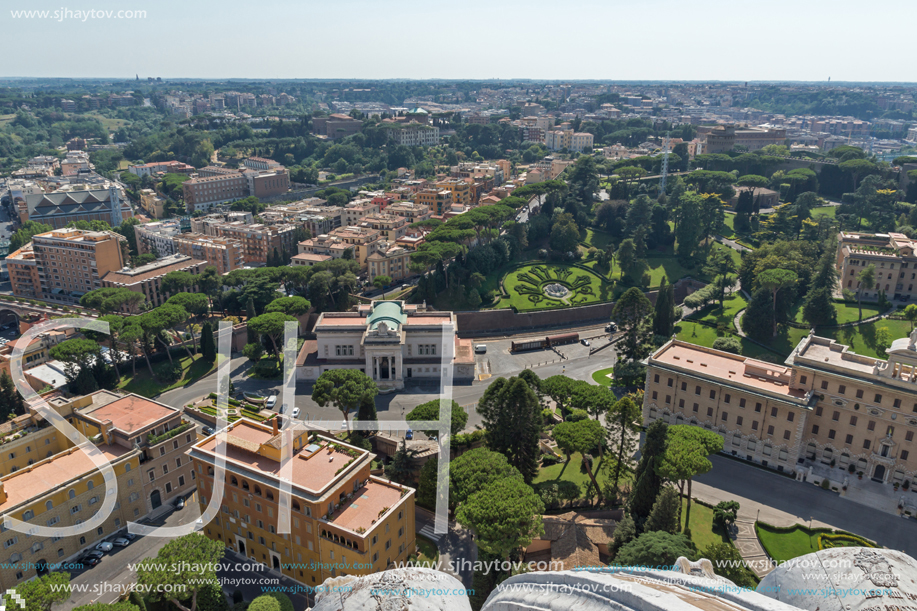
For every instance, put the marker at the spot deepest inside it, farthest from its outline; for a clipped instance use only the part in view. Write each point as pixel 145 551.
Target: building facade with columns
pixel 826 408
pixel 390 341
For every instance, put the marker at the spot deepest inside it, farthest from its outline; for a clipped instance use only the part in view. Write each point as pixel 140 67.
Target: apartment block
pixel 826 407
pixel 390 226
pixel 260 241
pixel 226 254
pixel 207 224
pixel 340 514
pixel 415 134
pixel 147 279
pixel 72 262
pixel 460 189
pixel 412 212
pixel 205 192
pixel 393 262
pixel 336 126
pixel 155 167
pixel 23 269
pixel 156 238
pixel 355 211
pixel 145 442
pixel 894 256
pixel 435 200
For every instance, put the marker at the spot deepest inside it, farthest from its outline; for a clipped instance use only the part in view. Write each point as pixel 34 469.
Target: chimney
pixel 274 423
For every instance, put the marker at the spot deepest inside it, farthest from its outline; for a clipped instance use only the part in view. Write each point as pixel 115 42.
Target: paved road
pixel 782 501
pixel 112 573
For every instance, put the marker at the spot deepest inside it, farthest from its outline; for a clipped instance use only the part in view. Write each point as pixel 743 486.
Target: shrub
pixel 267 368
pixel 728 344
pixel 168 372
pixel 825 484
pixel 725 513
pixel 576 415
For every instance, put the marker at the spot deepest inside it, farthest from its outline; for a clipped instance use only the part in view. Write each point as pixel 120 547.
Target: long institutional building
pixel 826 405
pixel 46 481
pixel 894 256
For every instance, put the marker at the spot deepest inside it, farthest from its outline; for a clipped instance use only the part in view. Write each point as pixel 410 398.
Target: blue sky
pixel 573 39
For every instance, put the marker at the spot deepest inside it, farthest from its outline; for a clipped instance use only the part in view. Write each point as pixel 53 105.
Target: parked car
pixel 584 342
pixel 409 435
pixel 295 413
pixel 179 503
pixel 130 536
pixel 122 542
pixel 480 348
pixel 104 546
pixel 271 402
pixel 90 560
pixel 207 430
pixel 611 327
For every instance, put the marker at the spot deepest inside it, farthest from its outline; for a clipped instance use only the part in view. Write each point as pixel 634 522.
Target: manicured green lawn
pixel 729 222
pixel 783 546
pixel 146 386
pixel 428 553
pixel 713 314
pixel 601 376
pixel 827 210
pixel 538 275
pixel 845 312
pixel 860 338
pixel 598 239
pixel 569 472
pixel 701 525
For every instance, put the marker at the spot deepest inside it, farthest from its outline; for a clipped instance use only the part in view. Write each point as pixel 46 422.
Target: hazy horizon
pixel 655 40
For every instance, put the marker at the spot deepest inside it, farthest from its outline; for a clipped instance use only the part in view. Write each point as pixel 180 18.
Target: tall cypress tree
pixel 664 316
pixel 648 481
pixel 208 346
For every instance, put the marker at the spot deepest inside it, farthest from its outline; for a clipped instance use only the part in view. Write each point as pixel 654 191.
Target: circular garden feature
pixel 538 286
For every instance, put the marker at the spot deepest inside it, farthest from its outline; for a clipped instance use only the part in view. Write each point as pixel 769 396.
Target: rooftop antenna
pixel 665 165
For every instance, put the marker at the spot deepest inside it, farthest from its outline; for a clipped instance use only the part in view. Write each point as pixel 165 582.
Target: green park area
pixel 145 385
pixel 783 544
pixel 553 286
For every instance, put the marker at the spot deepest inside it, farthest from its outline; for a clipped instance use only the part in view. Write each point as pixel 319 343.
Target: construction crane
pixel 665 164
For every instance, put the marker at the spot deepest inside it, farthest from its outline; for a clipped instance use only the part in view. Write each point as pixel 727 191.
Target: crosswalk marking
pixel 427 531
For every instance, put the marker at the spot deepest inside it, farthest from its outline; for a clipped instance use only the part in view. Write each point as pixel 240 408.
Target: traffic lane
pixel 107 580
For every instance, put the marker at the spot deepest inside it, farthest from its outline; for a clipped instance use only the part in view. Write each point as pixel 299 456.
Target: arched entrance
pixel 241 546
pixel 41 567
pixel 275 562
pixel 155 499
pixel 879 474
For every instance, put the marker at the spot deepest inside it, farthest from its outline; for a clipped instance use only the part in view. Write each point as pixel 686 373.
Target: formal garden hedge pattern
pixel 526 286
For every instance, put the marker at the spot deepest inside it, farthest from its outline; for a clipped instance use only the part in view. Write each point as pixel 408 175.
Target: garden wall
pixel 507 322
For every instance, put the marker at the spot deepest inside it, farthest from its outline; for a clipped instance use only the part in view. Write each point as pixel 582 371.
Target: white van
pixel 480 348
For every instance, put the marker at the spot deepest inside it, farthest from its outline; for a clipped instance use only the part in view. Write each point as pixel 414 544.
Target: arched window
pixel 82 540
pixel 233 480
pixel 72 494
pixel 90 485
pixel 127 467
pixel 28 515
pixel 296 506
pixel 257 489
pixel 270 495
pixel 49 504
pixel 244 485
pixel 209 470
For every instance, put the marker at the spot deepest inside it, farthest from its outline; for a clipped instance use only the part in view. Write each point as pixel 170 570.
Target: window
pixel 739 421
pixel 818 411
pixel 726 398
pixel 790 416
pixel 671 382
pixel 713 394
pixel 786 434
pixel 871 426
pixel 697 390
pixel 49 505
pixel 877 399
pixel 152 474
pixel 681 403
pixel 773 412
pixel 709 411
pixel 770 430
pixel 127 467
pixel 181 482
pixel 836 416
pixel 656 378
pixel 853 420
pixel 841 389
pixel 742 402
pixel 824 384
pixel 684 386
pixel 655 395
pixel 909 436
pixel 904 454
pixel 695 408
pixel 72 494
pixel 11 542
pixel 859 394
pixel 757 407
pixel 725 417
pixel 849 440
pixel 754 425
pixel 815 429
pixel 866 444
pixel 76 509
pixel 178 462
pixel 831 433
pixel 28 515
pixel 803 379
